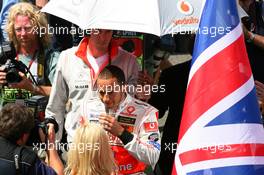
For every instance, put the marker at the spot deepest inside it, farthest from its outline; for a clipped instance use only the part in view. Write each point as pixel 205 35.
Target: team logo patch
pixel 129 111
pixel 151 126
pixel 153 137
pixel 155 144
pixel 94 117
pixel 185 7
pixel 126 120
pixel 82 86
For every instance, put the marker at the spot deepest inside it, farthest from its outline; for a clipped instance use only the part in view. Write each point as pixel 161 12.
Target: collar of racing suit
pixel 82 54
pixel 82 50
pixel 124 102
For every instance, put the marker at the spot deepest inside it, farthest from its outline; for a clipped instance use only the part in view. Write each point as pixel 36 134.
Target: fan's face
pixel 24 30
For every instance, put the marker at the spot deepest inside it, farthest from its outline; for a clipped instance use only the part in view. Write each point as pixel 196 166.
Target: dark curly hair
pixel 15 120
pixel 112 71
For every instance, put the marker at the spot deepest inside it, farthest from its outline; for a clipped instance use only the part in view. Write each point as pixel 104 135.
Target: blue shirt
pixel 43 169
pixel 3 18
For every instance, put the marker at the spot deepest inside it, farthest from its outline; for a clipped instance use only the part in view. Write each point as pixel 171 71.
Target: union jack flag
pixel 221 131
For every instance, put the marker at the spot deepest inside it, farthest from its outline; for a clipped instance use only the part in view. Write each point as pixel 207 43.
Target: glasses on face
pixel 27 29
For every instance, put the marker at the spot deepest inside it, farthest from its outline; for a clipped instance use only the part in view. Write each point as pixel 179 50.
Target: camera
pixel 7 51
pixel 247 22
pixel 11 66
pixel 38 105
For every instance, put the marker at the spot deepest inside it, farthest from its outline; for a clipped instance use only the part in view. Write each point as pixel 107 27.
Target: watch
pixel 126 137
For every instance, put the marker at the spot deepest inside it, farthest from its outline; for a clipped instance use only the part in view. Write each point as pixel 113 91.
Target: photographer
pixel 24 27
pixel 16 121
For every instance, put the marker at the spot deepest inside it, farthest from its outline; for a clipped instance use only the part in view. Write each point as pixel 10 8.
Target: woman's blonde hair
pixel 90 152
pixel 37 18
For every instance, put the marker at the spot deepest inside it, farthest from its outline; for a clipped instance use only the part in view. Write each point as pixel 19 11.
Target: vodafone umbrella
pixel 158 17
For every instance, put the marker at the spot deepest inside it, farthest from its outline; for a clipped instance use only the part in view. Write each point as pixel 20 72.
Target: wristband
pixel 126 137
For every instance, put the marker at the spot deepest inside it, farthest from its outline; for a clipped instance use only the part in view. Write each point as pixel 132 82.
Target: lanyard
pixel 31 61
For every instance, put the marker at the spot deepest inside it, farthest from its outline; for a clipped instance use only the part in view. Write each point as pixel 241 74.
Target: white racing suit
pixel 73 80
pixel 138 118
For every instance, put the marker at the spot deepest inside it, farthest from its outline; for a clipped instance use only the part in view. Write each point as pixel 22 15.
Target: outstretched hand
pixel 51 133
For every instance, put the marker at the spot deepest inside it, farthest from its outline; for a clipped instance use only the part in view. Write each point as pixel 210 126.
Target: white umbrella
pixel 158 17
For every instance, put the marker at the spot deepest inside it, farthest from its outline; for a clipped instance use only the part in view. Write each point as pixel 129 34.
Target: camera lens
pixel 247 22
pixel 12 76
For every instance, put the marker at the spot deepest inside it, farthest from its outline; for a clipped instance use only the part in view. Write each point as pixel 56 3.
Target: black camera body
pixel 11 66
pixel 7 51
pixel 38 105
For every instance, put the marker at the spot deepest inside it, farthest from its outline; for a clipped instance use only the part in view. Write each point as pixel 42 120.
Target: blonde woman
pixel 27 28
pixel 90 152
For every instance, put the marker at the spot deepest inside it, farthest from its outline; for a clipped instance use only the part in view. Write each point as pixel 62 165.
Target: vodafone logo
pixel 151 126
pixel 185 7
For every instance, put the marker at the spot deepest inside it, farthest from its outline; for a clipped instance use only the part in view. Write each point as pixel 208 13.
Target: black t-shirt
pixel 256 59
pixel 255 23
pixel 174 80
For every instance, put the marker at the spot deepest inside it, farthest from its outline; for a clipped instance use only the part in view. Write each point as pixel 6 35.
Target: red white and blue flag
pixel 221 131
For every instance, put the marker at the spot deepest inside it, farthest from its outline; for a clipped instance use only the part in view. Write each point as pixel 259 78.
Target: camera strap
pixel 17 159
pixel 41 63
pixel 39 70
pixel 32 60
